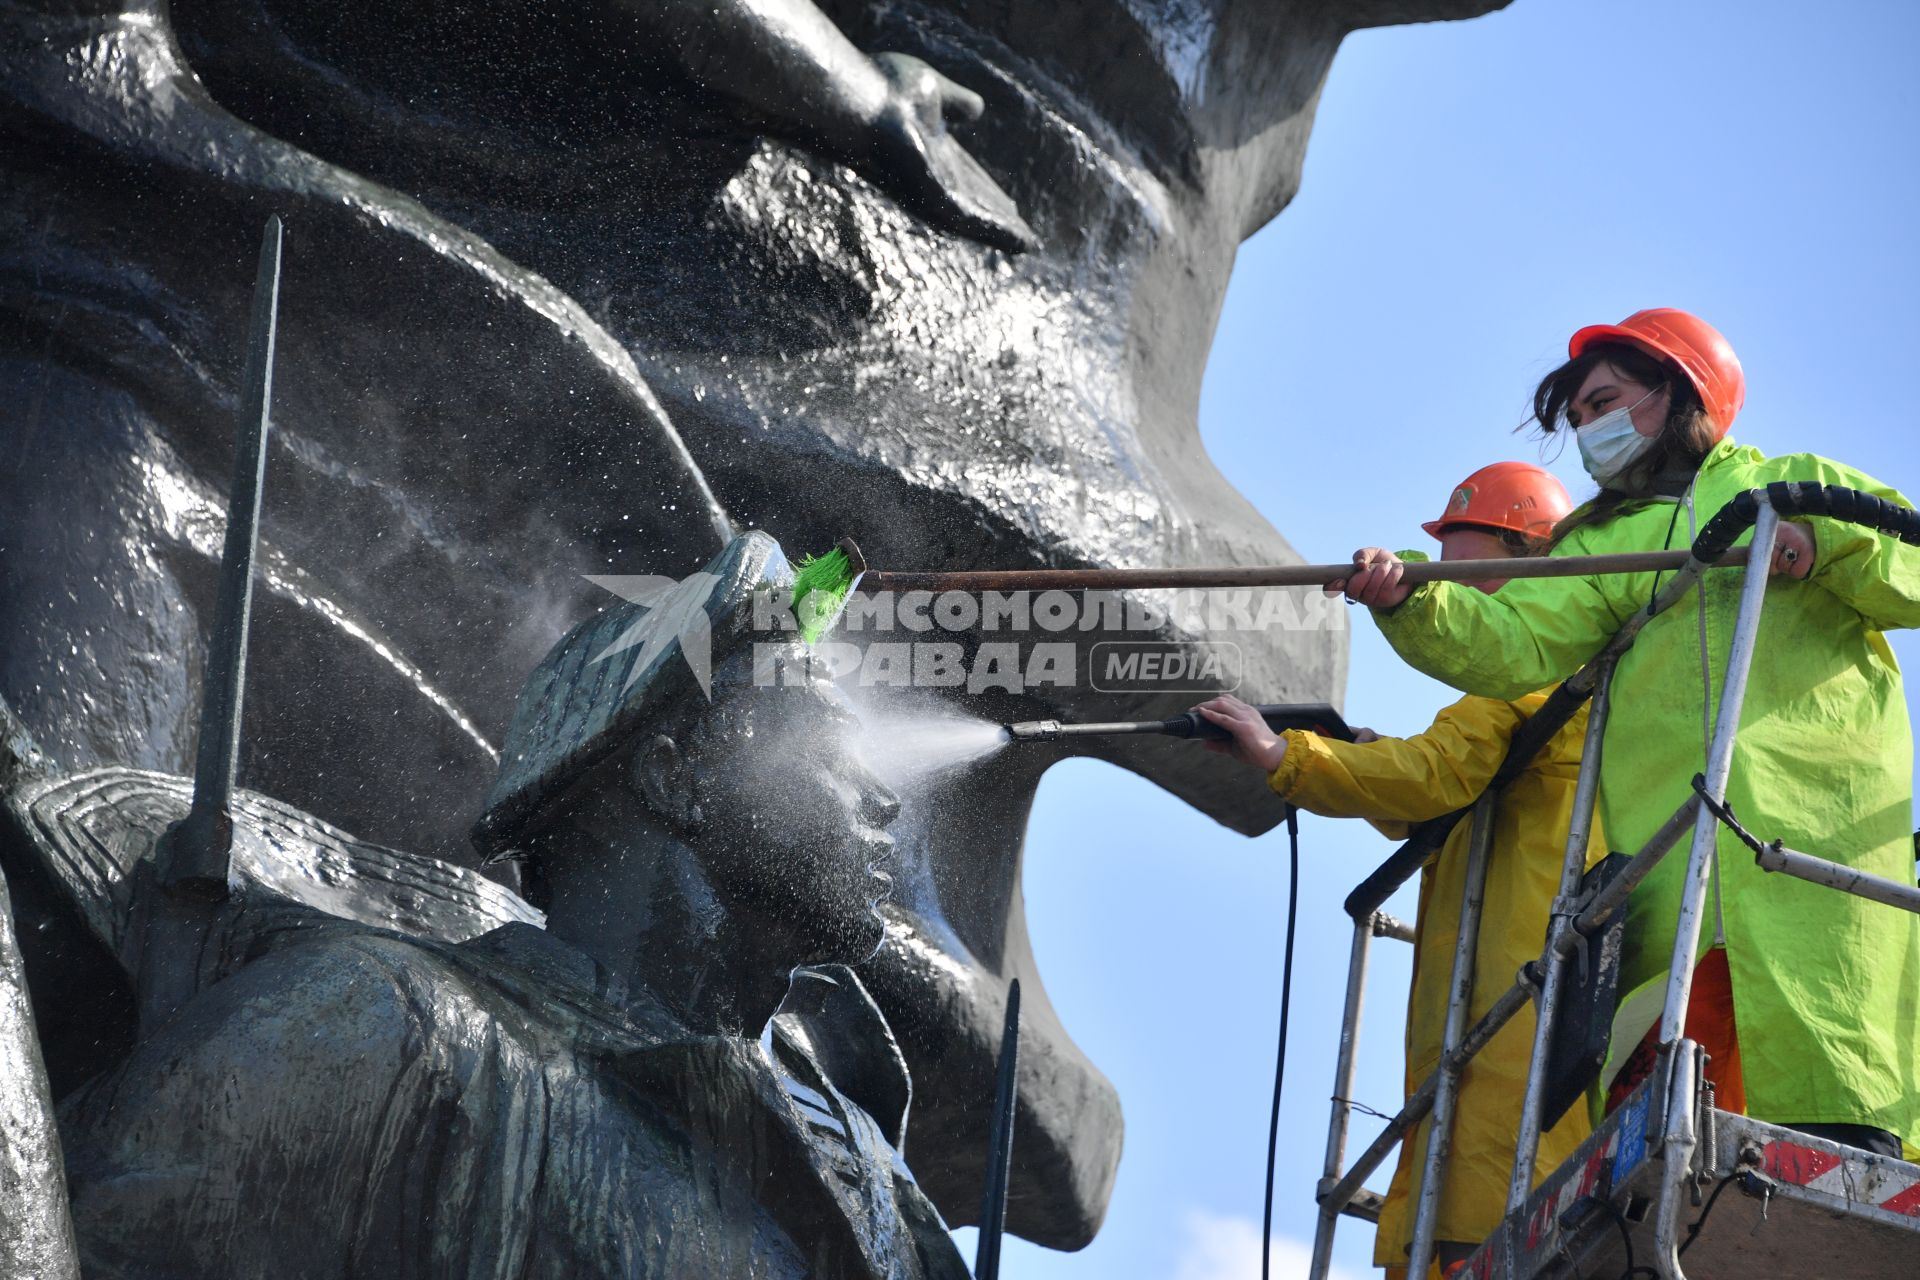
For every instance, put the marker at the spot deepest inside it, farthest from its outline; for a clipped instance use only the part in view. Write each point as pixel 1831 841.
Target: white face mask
pixel 1610 444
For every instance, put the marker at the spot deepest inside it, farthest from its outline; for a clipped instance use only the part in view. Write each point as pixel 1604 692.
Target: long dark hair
pixel 1683 443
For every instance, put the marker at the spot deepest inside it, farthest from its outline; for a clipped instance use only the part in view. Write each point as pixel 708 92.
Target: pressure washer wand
pixel 1315 717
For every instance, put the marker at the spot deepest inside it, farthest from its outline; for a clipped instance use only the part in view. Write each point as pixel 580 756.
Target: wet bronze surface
pixel 581 292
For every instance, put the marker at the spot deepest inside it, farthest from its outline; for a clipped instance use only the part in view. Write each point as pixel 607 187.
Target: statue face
pixel 790 819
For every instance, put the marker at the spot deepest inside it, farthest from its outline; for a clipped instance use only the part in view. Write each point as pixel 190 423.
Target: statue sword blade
pixel 202 844
pixel 183 886
pixel 993 1205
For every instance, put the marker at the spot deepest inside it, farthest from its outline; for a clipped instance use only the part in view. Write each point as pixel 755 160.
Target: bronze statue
pixel 593 1098
pixel 577 291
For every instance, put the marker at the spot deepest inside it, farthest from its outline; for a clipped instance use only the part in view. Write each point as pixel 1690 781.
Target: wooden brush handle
pixel 1291 575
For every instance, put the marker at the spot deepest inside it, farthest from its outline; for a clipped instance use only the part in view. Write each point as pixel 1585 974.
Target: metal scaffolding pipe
pixel 1706 826
pixel 1610 899
pixel 1473 898
pixel 1836 875
pixel 1679 1139
pixel 1420 1102
pixel 1592 917
pixel 1572 867
pixel 1386 926
pixel 1343 1073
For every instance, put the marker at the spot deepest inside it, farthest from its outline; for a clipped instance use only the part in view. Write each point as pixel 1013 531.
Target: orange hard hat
pixel 1506 495
pixel 1682 339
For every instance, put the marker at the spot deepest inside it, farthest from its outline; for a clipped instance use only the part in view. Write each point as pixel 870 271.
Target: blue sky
pixel 1474 192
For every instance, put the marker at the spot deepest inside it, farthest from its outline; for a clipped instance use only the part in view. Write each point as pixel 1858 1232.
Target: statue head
pixel 676 729
pixel 640 290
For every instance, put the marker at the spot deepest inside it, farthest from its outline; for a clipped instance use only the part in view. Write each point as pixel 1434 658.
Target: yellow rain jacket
pixel 1397 782
pixel 1826 986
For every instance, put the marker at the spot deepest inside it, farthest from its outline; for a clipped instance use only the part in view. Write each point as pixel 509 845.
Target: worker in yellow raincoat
pixel 1807 998
pixel 1503 510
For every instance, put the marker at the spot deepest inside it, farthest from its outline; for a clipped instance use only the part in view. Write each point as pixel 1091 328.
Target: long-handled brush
pixel 821 586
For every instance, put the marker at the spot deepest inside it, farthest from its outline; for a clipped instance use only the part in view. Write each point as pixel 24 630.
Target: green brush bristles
pixel 820 586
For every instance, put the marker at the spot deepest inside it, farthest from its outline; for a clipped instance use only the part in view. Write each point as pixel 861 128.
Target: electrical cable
pixel 1632 1271
pixel 1699 1223
pixel 1280 1058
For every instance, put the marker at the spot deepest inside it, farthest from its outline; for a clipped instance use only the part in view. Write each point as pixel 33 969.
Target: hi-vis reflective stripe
pixel 1889 1185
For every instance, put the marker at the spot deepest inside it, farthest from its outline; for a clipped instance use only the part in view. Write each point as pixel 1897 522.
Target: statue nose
pixel 879 805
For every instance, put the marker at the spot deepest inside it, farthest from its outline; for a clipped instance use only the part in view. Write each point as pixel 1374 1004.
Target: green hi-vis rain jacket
pixel 1826 986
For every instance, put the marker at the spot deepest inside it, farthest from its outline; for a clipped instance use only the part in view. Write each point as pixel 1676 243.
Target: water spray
pixel 1314 717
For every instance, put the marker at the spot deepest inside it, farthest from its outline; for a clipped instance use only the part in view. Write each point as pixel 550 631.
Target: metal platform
pixel 1783 1205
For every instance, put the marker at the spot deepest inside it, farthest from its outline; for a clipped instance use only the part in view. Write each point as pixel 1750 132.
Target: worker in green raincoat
pixel 1821 1024
pixel 1500 511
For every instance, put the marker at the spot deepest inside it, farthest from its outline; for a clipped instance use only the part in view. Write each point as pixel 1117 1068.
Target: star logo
pixel 676 610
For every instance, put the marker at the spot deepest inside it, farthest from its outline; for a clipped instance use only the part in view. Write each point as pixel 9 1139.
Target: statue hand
pixel 925 167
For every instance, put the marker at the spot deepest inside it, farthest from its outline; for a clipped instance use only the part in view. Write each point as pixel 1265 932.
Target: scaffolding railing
pixel 1575 917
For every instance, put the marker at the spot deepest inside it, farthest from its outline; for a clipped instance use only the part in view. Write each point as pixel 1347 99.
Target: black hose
pixel 1280 1059
pixel 1700 1223
pixel 1804 498
pixel 1719 534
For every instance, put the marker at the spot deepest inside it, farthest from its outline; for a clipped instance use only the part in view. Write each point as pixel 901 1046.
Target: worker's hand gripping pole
pixel 822 586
